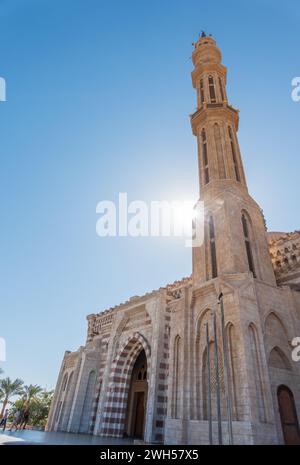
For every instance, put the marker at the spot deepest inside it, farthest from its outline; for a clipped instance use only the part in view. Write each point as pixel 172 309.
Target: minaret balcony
pixel 212 111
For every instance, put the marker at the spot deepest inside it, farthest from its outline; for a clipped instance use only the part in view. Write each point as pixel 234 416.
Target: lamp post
pixel 219 415
pixel 209 386
pixel 226 371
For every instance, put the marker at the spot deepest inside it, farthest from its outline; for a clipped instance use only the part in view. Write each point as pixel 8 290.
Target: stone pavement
pixel 59 438
pixel 9 439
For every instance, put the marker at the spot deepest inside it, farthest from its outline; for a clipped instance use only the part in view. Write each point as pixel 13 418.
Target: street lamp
pixel 226 371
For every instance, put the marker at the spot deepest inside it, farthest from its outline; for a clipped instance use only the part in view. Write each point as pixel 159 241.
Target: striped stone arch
pixel 115 407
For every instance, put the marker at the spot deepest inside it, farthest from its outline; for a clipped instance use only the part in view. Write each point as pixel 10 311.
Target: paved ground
pixel 5 439
pixel 41 437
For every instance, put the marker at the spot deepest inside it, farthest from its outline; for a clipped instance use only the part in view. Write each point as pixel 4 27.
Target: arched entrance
pixel 288 416
pixel 117 406
pixel 137 399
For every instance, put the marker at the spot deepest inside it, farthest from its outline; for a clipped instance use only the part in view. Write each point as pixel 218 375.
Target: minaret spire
pixel 214 120
pixel 235 239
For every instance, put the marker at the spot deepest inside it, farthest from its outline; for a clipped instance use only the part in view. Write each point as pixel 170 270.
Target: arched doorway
pixel 116 409
pixel 288 416
pixel 137 398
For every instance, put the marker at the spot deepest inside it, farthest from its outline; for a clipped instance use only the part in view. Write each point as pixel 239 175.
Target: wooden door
pixel 288 415
pixel 139 414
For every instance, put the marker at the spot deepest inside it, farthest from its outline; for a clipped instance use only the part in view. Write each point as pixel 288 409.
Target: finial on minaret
pixel 205 50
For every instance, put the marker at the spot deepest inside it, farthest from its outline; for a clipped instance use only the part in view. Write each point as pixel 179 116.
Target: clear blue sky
pixel 98 98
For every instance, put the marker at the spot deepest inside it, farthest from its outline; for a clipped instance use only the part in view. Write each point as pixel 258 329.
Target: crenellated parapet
pixel 101 323
pixel 175 290
pixel 285 256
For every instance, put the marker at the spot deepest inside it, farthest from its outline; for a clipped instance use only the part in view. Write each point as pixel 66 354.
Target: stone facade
pixel 285 254
pixel 148 358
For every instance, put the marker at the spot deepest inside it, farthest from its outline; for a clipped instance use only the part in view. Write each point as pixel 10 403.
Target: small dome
pixel 206 51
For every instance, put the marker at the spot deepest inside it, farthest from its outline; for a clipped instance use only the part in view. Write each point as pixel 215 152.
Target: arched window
pixel 61 397
pixel 65 412
pixel 212 244
pixel 201 92
pixel 248 244
pixel 221 89
pixel 205 157
pixel 234 159
pixel 220 158
pixel 212 92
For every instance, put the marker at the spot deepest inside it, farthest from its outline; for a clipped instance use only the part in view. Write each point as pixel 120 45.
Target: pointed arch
pixel 248 239
pixel 202 317
pixel 200 344
pixel 257 372
pixel 211 89
pixel 133 341
pixel 205 156
pixel 274 326
pixel 278 359
pixel 115 407
pixel 67 403
pixel 59 405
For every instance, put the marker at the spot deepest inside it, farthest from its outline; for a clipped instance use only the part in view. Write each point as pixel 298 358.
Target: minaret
pixel 235 237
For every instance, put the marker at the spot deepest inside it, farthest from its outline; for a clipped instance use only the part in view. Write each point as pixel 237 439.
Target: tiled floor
pixel 41 437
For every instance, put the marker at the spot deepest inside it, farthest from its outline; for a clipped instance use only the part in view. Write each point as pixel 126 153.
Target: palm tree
pixel 9 388
pixel 30 393
pixel 39 408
